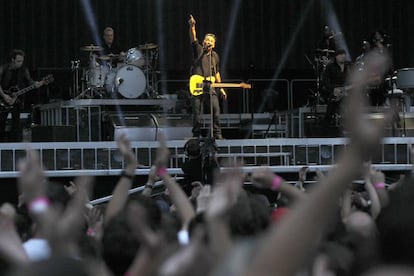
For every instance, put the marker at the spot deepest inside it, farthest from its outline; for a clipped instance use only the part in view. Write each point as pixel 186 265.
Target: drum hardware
pixel 75 77
pixel 150 56
pixel 94 75
pixel 314 97
pixel 397 99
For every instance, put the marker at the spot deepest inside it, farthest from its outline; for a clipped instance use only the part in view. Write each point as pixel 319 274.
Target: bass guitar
pixel 14 93
pixel 199 84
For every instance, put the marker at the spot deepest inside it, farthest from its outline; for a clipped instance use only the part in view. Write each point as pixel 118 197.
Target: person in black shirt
pixel 13 74
pixel 109 47
pixel 334 85
pixel 206 64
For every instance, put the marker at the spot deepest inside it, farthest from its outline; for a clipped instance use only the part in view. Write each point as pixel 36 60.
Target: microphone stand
pixel 209 161
pixel 211 97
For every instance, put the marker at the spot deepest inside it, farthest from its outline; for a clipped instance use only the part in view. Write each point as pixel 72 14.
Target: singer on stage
pixel 206 64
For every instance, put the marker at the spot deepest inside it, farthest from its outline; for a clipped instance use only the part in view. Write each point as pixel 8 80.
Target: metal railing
pixel 282 154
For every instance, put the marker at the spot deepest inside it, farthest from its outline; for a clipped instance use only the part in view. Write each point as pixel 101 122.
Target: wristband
pixel 276 183
pixel 90 232
pixel 39 205
pixel 380 185
pixel 162 171
pixel 125 174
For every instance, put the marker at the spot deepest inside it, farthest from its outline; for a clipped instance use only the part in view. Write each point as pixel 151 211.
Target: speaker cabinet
pixel 53 134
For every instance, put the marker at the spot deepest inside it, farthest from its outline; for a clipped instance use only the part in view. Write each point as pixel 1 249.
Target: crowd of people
pixel 329 228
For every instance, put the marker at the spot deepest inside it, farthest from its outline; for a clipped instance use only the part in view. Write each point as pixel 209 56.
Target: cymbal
pixel 91 48
pixel 325 50
pixel 108 57
pixel 147 46
pixel 104 58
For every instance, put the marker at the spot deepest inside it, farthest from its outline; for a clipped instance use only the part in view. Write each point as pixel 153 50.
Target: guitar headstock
pixel 48 79
pixel 245 85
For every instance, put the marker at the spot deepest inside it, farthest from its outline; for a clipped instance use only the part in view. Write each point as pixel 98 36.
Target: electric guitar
pixel 14 92
pixel 199 84
pixel 340 92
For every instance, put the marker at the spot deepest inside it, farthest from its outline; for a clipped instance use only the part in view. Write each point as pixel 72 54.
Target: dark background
pixel 256 38
pixel 51 31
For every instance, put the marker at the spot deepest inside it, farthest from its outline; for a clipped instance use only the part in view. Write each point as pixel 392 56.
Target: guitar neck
pixel 25 90
pixel 226 85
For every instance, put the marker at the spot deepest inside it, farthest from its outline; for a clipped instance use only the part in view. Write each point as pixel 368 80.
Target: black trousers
pixel 203 101
pixel 332 109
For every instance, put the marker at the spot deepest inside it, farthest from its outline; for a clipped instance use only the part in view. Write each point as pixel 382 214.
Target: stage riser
pixel 149 127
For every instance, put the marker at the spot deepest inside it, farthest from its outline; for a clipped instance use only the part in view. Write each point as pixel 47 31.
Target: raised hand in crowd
pixel 120 193
pixel 180 200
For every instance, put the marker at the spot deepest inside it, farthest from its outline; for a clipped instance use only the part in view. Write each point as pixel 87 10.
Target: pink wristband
pixel 90 232
pixel 39 205
pixel 276 182
pixel 162 171
pixel 380 185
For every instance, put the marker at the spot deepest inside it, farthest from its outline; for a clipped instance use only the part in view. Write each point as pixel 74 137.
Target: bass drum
pixel 130 81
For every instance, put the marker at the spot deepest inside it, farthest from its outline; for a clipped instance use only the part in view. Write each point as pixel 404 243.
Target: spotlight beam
pixel 284 56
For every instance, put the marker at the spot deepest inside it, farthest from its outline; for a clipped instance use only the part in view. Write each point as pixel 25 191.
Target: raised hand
pixel 262 178
pixel 124 146
pixel 191 21
pixel 163 154
pixel 32 181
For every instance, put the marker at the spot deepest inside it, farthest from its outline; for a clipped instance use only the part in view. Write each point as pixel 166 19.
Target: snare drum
pixel 130 81
pixel 135 57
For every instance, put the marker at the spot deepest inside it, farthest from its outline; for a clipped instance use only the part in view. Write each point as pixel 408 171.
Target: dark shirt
pixel 192 169
pixel 334 76
pixel 113 49
pixel 202 61
pixel 329 44
pixel 14 77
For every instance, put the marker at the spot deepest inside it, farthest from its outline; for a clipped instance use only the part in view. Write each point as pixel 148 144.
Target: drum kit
pixel 127 75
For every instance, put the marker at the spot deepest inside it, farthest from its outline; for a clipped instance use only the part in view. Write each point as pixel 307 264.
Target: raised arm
pixel 264 178
pixel 120 194
pixel 185 209
pixel 287 246
pixel 192 30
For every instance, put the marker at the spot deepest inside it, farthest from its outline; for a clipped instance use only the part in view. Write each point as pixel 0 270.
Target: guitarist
pixel 334 85
pixel 13 74
pixel 205 63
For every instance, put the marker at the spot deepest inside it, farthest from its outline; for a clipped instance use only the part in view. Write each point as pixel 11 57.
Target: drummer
pixel 111 51
pixel 108 44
